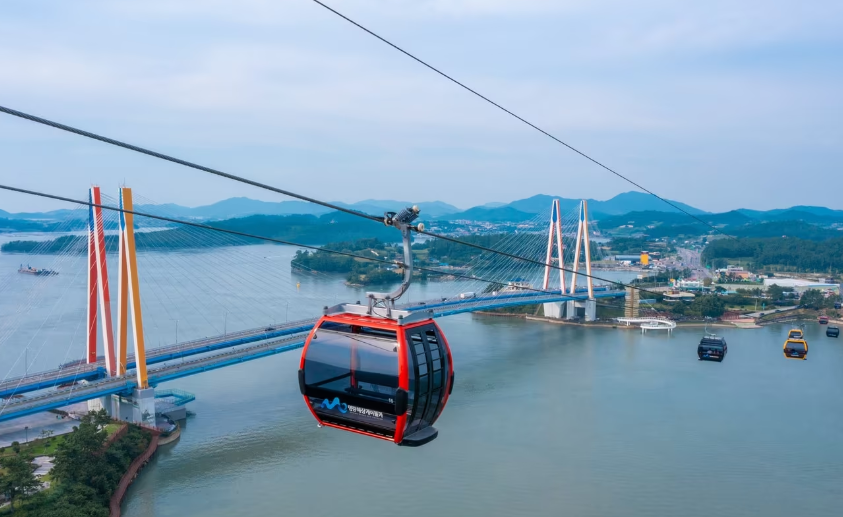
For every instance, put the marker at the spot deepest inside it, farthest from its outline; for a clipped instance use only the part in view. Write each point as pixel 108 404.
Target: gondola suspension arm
pixel 402 221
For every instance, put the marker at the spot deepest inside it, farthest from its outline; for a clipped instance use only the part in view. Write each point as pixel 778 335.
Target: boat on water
pixel 28 270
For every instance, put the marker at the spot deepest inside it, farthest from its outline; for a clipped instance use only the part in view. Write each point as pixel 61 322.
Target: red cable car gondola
pixel 385 378
pixel 377 371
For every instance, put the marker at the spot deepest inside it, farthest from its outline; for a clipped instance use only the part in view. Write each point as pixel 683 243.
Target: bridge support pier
pixel 590 310
pixel 570 310
pixel 138 409
pixel 111 404
pixel 103 403
pixel 144 402
pixel 553 310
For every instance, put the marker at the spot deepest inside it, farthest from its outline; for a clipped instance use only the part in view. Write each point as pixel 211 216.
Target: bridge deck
pixel 291 335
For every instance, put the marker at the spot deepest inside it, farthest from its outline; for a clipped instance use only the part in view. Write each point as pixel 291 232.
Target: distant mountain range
pixel 637 207
pixel 243 207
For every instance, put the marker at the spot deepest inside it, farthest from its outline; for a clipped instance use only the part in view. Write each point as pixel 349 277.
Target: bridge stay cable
pixel 247 235
pixel 68 251
pixel 185 163
pixel 247 181
pixel 317 248
pixel 520 118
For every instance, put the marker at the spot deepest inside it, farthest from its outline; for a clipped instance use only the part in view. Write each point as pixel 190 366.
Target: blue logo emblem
pixel 335 404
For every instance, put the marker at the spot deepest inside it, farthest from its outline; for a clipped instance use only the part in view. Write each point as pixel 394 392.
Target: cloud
pixel 288 86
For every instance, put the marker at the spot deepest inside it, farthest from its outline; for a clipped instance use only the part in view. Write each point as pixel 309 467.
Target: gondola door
pixel 429 376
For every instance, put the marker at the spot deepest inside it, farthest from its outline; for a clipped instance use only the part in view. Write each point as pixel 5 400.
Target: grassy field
pixel 48 446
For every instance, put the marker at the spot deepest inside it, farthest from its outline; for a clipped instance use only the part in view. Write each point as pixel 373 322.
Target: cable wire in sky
pixel 186 163
pixel 241 179
pixel 317 248
pixel 525 121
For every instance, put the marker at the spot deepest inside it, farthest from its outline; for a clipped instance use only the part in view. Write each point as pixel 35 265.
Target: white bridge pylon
pixel 582 246
pixel 555 231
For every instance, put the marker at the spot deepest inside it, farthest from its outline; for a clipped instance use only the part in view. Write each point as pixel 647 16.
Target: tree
pixel 101 418
pixel 710 306
pixel 812 299
pixel 19 480
pixel 78 458
pixel 73 501
pixel 775 292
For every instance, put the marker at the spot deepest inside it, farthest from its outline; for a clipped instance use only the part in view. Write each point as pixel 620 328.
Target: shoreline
pixel 132 473
pixel 172 437
pixel 605 324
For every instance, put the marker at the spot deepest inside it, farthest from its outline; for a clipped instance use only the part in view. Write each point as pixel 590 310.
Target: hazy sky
pixel 719 104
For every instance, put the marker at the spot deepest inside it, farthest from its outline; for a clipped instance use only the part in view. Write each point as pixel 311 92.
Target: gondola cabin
pixel 795 346
pixel 386 378
pixel 712 348
pixel 832 331
pixel 822 320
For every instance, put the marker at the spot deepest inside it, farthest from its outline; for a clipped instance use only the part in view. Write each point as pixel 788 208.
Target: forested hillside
pixel 779 253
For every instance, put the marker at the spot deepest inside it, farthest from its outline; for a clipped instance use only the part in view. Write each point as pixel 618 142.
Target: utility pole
pixel 177 339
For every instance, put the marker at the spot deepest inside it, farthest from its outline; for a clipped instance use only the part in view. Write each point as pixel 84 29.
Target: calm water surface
pixel 544 420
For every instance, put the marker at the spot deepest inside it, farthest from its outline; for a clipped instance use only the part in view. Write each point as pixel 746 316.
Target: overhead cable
pixel 317 248
pixel 249 182
pixel 522 119
pixel 186 163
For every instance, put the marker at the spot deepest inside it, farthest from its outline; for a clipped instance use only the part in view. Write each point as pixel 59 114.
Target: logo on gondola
pixel 335 404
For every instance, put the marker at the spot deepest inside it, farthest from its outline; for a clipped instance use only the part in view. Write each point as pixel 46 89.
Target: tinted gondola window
pixel 428 363
pixel 361 365
pixel 799 347
pixel 437 375
pixel 420 388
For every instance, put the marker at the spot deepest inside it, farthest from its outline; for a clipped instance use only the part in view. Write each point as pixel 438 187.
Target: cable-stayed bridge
pixel 524 270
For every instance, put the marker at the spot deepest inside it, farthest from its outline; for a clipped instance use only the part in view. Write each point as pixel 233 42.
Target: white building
pixel 800 285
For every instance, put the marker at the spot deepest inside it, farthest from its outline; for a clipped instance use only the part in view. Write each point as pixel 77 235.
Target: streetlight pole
pixel 177 339
pixel 26 429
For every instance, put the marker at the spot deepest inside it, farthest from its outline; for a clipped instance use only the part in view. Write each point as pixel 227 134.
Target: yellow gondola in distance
pixel 795 346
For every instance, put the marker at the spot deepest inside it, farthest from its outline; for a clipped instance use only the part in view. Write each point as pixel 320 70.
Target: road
pixel 771 311
pixel 113 385
pixel 226 353
pixel 691 260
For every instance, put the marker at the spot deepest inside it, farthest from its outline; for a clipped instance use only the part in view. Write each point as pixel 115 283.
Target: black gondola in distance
pixel 712 348
pixel 795 346
pixel 377 371
pixel 832 331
